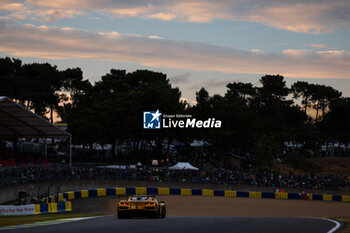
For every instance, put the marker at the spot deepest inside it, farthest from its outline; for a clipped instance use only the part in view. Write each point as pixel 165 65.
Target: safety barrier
pixel 53 207
pixel 192 192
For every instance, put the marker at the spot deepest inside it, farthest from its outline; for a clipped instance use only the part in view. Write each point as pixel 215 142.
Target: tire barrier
pixel 122 191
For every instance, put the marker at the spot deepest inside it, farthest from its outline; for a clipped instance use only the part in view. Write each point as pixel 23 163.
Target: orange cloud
pixel 318 46
pixel 311 16
pixel 12 7
pixel 163 16
pixel 303 18
pixel 129 12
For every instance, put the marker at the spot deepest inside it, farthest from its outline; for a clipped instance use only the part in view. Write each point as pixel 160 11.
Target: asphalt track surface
pixel 172 224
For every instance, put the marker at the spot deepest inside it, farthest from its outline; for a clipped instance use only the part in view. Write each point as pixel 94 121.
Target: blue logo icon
pixel 151 120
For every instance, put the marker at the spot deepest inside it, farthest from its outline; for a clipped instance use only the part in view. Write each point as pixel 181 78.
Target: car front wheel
pixel 163 212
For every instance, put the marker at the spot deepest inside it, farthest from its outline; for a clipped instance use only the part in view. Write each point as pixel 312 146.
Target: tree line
pixel 255 120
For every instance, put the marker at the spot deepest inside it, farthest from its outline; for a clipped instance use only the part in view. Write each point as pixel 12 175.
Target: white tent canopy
pixel 197 143
pixel 183 166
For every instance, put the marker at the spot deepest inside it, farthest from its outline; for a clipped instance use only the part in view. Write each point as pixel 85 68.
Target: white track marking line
pixel 334 229
pixel 46 223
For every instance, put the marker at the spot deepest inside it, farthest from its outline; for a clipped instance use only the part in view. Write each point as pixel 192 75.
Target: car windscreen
pixel 139 198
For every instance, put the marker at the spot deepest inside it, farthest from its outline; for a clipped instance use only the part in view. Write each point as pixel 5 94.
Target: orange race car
pixel 141 206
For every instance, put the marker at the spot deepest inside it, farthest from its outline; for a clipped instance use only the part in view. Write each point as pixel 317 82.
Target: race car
pixel 141 206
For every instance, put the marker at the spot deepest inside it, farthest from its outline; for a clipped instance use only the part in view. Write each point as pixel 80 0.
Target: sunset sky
pixel 197 43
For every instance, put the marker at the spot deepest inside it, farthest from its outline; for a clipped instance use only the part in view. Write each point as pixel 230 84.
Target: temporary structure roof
pixel 117 166
pixel 113 166
pixel 183 166
pixel 197 143
pixel 17 121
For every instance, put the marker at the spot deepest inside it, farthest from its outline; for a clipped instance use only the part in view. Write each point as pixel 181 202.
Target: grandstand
pixel 16 122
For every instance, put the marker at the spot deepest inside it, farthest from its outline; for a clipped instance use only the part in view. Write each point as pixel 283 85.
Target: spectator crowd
pixel 236 176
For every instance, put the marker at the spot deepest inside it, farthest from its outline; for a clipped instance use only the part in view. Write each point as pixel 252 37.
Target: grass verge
pixel 346 224
pixel 17 220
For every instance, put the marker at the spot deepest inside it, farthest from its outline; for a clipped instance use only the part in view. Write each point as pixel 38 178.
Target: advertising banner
pixel 17 210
